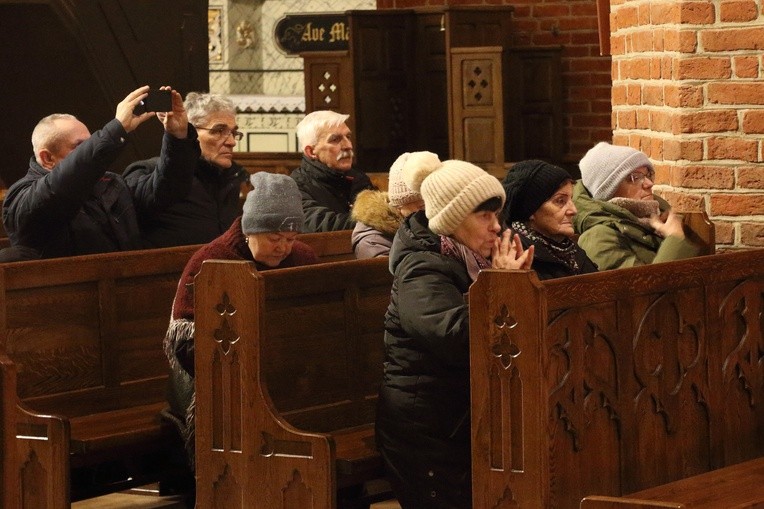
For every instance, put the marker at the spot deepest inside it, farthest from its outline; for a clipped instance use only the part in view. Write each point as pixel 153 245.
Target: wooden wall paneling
pixel 534 104
pixel 84 58
pixel 477 106
pixel 382 51
pixel 471 26
pixel 431 125
pixel 329 83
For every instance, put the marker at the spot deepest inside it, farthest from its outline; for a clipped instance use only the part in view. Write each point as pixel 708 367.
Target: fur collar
pixel 372 209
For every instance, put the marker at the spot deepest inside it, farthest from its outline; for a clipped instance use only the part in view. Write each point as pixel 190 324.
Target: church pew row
pixel 272 359
pixel 84 372
pixel 611 383
pixel 288 364
pixel 740 486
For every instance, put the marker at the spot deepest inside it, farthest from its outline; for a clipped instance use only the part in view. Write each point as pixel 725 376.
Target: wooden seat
pixel 739 486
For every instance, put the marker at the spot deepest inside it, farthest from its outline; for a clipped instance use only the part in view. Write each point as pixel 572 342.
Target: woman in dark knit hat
pixel 265 234
pixel 540 209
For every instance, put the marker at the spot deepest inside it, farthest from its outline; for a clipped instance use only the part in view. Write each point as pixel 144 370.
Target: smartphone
pixel 157 100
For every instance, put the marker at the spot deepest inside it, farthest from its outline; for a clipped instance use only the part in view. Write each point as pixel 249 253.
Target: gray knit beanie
pixel 274 205
pixel 451 190
pixel 398 192
pixel 605 166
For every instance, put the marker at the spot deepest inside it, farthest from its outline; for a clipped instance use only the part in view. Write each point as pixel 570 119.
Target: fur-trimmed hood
pixel 372 208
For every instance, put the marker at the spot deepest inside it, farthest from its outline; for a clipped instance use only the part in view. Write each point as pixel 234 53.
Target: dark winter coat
pixel 327 195
pixel 79 208
pixel 210 204
pixel 423 415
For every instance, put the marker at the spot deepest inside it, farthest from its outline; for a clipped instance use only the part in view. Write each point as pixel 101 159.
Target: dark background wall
pixel 83 57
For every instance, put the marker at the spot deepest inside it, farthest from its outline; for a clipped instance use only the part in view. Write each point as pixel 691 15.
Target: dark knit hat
pixel 274 205
pixel 528 185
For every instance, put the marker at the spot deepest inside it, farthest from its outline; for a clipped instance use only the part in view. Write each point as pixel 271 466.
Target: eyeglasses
pixel 638 177
pixel 222 132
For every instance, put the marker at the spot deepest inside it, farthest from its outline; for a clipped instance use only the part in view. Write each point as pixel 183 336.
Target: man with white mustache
pixel 326 178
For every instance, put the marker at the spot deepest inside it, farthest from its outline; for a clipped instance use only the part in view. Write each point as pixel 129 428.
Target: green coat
pixel 614 238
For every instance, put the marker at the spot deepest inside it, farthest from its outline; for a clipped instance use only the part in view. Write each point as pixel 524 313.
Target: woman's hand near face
pixel 508 253
pixel 672 225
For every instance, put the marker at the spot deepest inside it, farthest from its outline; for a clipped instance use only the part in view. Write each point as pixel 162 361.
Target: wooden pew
pixel 288 364
pixel 85 335
pixel 330 246
pixel 738 486
pixel 614 382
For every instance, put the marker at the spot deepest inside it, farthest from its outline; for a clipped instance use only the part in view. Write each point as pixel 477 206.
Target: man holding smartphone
pixel 68 204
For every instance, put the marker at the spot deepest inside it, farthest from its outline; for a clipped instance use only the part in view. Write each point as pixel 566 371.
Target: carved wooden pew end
pixel 288 364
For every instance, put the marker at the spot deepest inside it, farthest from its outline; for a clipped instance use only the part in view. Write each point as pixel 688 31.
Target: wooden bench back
pixel 330 246
pixel 86 332
pixel 303 345
pixel 613 382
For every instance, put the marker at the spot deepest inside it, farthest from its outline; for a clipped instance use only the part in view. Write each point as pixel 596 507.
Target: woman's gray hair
pixel 46 135
pixel 201 105
pixel 314 123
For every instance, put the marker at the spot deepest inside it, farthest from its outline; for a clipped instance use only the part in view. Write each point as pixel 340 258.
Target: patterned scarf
pixel 642 209
pixel 474 262
pixel 564 250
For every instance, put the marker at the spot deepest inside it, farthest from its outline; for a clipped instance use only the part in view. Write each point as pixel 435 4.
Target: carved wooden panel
pixel 649 375
pixel 477 106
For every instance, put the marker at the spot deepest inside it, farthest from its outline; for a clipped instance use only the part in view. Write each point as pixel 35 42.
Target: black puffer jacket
pixel 423 420
pixel 207 209
pixel 328 195
pixel 79 208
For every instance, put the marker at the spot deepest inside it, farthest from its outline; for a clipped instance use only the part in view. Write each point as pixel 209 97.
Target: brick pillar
pixel 688 90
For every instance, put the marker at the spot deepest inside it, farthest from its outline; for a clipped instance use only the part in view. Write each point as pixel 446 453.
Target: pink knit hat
pixel 398 192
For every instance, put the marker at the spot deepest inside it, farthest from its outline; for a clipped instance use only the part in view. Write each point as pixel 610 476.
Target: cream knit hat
pixel 398 192
pixel 604 167
pixel 451 190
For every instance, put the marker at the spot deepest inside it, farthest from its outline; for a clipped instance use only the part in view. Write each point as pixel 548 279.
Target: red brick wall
pixel 688 90
pixel 586 75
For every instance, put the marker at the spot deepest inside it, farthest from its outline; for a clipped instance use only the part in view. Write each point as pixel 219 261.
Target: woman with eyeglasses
pixel 620 221
pixel 207 206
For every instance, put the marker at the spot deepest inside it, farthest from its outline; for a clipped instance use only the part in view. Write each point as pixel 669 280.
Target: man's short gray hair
pixel 201 105
pixel 314 123
pixel 47 135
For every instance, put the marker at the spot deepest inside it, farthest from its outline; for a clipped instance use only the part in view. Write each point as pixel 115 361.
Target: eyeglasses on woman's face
pixel 638 177
pixel 222 132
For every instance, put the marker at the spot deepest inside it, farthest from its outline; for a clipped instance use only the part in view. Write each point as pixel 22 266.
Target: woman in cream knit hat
pixel 620 221
pixel 423 421
pixel 378 214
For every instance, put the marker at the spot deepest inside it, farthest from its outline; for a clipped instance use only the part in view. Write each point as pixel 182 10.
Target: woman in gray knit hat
pixel 265 234
pixel 423 419
pixel 620 221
